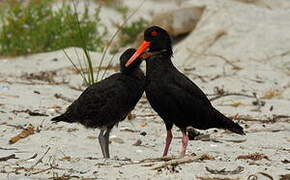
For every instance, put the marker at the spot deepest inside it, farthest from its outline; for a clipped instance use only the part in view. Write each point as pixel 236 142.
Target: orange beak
pixel 145 45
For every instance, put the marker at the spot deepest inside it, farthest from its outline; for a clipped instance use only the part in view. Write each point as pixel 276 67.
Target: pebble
pixel 143 133
pixel 137 143
pixel 116 139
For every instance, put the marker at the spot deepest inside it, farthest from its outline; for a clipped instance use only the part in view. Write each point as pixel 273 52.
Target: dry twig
pixel 215 178
pixel 40 159
pixel 230 94
pixel 224 172
pixel 165 158
pixel 29 112
pixel 267 175
pixel 24 133
pixel 175 162
pixel 27 159
pixel 43 170
pixel 256 156
pixel 12 156
pixel 285 177
pixel 274 119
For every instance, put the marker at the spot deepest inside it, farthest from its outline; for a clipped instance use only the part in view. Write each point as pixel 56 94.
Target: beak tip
pixel 145 45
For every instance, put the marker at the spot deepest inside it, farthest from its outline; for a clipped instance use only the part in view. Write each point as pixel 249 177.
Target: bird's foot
pixel 167 142
pixel 184 143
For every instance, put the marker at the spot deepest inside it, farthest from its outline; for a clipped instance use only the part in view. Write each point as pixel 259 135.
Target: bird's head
pixel 124 59
pixel 156 39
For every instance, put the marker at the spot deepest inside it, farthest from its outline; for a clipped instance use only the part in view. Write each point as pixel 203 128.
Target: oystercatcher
pixel 106 103
pixel 176 99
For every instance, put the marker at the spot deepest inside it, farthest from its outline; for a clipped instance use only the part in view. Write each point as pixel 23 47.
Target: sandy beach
pixel 246 72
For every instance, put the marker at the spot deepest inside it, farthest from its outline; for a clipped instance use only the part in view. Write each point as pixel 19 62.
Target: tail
pixel 60 118
pixel 226 123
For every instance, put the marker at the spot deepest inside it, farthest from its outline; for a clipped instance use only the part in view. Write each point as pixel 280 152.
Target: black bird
pixel 176 99
pixel 106 103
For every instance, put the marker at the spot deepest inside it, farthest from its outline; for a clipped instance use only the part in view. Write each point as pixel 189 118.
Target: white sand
pixel 75 152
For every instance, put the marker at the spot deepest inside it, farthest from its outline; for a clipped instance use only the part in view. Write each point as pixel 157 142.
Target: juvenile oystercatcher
pixel 176 99
pixel 106 103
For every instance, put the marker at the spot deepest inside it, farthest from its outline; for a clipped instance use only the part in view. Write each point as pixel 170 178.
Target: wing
pixel 193 105
pixel 102 103
pixel 184 83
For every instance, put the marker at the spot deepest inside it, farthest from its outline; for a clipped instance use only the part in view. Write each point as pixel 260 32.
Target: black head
pixel 156 39
pixel 159 39
pixel 124 59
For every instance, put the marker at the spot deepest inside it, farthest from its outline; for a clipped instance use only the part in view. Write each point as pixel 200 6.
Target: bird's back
pixel 106 102
pixel 181 102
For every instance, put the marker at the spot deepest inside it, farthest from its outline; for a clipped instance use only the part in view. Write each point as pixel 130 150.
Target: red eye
pixel 154 33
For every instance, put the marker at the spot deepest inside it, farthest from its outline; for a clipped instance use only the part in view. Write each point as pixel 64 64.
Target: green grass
pixel 36 28
pixel 125 30
pixel 129 33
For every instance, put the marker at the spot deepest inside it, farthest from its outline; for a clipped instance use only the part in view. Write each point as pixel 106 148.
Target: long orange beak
pixel 145 45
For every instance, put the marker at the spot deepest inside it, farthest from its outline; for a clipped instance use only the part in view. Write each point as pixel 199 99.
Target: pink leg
pixel 184 143
pixel 167 142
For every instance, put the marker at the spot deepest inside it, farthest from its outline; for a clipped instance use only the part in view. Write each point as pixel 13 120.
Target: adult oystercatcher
pixel 176 99
pixel 106 103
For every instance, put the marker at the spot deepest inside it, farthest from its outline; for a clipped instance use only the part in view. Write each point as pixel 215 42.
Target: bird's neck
pixel 136 73
pixel 157 66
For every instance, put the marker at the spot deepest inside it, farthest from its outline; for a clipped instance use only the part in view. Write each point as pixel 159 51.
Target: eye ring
pixel 154 33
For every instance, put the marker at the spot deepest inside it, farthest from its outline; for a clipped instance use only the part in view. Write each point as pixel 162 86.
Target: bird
pixel 176 99
pixel 107 102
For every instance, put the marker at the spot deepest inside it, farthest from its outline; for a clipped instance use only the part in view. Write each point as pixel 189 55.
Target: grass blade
pixel 109 64
pixel 84 47
pixel 114 36
pixel 76 68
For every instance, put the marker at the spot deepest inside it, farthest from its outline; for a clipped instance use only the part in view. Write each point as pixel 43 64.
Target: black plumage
pixel 105 103
pixel 176 99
